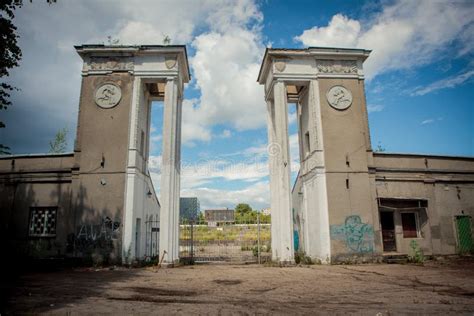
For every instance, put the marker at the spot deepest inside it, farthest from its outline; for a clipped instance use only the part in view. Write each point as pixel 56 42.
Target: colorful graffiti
pixel 358 236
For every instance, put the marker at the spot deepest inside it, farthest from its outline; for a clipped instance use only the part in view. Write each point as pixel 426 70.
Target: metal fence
pixel 224 242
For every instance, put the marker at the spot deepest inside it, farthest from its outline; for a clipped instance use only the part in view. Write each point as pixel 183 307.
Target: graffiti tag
pixel 358 236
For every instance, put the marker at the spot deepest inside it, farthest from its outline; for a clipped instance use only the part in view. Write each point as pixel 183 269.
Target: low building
pixel 189 209
pixel 218 217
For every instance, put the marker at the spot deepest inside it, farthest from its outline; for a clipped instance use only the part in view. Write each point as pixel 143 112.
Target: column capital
pixel 173 78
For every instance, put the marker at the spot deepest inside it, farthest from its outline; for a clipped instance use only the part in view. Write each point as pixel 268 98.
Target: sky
pixel 419 77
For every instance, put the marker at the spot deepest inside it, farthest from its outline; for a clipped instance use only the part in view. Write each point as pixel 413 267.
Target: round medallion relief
pixel 339 97
pixel 108 95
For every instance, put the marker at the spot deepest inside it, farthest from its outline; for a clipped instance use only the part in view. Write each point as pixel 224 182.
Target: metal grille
pixel 227 242
pixel 152 227
pixel 43 221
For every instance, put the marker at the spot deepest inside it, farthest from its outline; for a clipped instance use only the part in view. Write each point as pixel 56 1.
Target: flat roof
pixel 311 51
pixel 84 49
pixel 16 156
pixel 418 155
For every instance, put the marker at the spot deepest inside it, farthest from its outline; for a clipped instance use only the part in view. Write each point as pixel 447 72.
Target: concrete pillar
pixel 280 176
pixel 169 189
pixel 273 150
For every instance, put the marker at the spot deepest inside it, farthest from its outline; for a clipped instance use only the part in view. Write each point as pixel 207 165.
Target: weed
pixel 416 255
pixel 302 258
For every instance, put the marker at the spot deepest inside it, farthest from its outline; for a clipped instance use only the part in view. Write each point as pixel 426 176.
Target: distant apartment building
pixel 217 217
pixel 189 208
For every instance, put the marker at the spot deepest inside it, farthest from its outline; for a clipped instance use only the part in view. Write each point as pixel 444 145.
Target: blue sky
pixel 419 78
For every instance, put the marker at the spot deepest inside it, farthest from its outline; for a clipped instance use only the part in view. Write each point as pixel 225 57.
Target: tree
pixel 245 214
pixel 10 55
pixel 59 143
pixel 201 218
pixel 243 208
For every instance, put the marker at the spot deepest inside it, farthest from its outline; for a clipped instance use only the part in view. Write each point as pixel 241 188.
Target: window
pixel 43 221
pixel 409 223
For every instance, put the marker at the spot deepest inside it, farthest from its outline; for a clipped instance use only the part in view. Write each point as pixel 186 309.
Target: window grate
pixel 43 221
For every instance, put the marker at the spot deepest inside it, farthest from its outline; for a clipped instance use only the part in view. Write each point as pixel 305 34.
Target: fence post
pixel 258 237
pixel 192 242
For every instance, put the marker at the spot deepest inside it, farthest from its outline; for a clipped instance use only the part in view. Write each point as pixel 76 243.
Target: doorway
pixel 388 231
pixel 465 242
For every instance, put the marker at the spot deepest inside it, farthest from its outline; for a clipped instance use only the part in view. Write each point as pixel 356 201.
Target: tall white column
pixel 177 174
pixel 281 177
pixel 273 150
pixel 169 189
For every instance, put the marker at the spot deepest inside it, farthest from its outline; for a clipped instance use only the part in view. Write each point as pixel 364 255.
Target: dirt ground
pixel 380 289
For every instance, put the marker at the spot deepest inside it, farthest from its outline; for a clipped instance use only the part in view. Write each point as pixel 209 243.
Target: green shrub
pixel 416 255
pixel 302 258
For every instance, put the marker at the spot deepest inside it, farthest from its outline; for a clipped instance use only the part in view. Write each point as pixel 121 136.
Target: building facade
pixel 350 204
pixel 189 209
pixel 218 217
pixel 97 201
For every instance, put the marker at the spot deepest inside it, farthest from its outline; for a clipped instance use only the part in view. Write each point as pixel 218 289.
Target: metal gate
pixel 152 228
pixel 201 241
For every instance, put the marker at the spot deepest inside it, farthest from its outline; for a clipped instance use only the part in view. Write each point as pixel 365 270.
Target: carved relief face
pixel 339 97
pixel 108 95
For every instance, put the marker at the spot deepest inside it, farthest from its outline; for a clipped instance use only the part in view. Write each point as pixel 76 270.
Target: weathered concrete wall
pixel 100 163
pixel 446 183
pixel 353 215
pixel 35 181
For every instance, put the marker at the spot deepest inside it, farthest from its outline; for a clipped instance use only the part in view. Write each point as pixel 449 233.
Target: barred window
pixel 43 221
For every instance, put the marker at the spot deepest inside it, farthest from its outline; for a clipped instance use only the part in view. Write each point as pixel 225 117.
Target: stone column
pixel 273 150
pixel 170 175
pixel 280 177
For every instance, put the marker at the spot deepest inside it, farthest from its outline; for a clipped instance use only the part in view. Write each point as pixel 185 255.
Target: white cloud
pixel 403 35
pixel 225 134
pixel 225 67
pixel 375 108
pixel 193 126
pixel 431 120
pixel 341 32
pixel 248 166
pixel 428 121
pixel 257 195
pixel 445 83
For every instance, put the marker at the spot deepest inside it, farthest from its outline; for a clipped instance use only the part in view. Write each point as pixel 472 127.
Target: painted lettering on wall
pixel 107 230
pixel 358 236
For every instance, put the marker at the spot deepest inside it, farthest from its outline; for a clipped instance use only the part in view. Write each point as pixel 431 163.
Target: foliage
pixel 10 55
pixel 59 143
pixel 112 41
pixel 166 40
pixel 416 255
pixel 263 248
pixel 201 218
pixel 245 214
pixel 302 258
pixel 231 233
pixel 380 148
